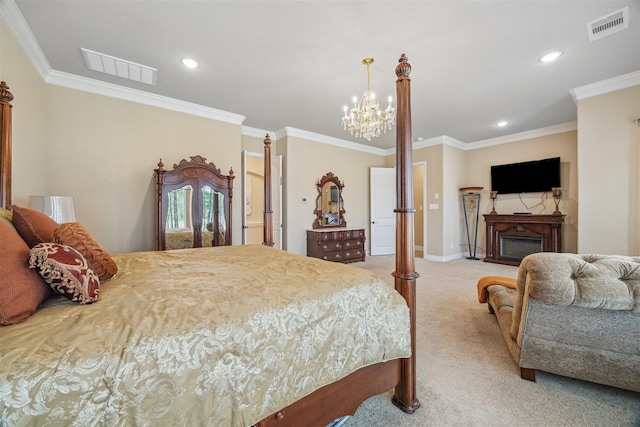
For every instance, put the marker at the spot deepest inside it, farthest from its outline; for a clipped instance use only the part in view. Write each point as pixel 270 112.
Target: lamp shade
pixel 61 208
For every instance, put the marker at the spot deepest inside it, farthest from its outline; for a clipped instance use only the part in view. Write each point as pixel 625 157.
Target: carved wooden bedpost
pixel 5 145
pixel 405 275
pixel 267 225
pixel 160 241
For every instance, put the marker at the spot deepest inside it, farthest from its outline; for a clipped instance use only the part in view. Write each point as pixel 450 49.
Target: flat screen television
pixel 526 177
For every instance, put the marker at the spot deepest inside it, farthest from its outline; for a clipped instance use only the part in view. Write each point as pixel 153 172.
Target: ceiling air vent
pixel 612 23
pixel 119 67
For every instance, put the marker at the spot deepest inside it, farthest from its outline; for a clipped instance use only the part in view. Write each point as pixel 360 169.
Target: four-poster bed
pixel 255 376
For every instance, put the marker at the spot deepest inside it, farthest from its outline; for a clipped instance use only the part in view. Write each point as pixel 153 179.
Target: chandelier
pixel 366 119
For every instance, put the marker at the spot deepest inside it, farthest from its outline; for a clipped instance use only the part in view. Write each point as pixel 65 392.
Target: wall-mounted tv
pixel 526 177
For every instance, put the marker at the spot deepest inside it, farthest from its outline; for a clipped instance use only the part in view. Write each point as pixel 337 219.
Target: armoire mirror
pixel 329 207
pixel 194 205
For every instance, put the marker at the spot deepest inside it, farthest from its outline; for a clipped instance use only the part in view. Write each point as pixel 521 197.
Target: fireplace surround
pixel 509 238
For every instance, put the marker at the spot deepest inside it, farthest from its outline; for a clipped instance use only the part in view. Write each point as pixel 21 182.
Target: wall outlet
pixel 434 206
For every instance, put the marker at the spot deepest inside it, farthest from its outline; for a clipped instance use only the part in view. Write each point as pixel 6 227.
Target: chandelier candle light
pixel 366 119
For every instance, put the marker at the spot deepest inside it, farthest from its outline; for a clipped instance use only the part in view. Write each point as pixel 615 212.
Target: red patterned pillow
pixel 66 271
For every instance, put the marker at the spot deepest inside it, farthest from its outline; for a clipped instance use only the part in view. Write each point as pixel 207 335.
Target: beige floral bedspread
pixel 198 337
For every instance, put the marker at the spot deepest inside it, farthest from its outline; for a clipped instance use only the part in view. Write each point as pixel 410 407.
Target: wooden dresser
pixel 336 244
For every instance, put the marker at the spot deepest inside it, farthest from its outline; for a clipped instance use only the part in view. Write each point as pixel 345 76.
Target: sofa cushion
pixel 610 282
pixel 592 281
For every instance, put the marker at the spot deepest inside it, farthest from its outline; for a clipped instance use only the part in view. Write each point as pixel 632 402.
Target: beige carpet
pixel 466 376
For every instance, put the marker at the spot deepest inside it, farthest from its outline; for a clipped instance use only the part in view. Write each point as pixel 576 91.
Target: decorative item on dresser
pixel 329 208
pixel 339 245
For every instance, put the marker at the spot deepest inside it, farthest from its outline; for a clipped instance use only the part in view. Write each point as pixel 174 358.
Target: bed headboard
pixel 5 145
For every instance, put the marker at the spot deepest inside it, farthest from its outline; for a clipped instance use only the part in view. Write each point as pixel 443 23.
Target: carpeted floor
pixel 466 376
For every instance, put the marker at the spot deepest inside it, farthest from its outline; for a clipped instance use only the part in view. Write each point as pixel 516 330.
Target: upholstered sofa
pixel 571 315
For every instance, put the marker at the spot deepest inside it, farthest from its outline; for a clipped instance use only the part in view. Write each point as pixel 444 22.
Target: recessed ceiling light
pixel 550 57
pixel 502 123
pixel 189 62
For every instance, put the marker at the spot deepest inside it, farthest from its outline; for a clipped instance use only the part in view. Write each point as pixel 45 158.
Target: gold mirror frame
pixel 327 217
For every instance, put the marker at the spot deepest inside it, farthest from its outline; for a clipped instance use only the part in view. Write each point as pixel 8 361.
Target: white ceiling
pixel 296 63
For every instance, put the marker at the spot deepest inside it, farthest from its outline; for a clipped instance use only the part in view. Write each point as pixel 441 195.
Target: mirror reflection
pixel 329 203
pixel 213 217
pixel 179 224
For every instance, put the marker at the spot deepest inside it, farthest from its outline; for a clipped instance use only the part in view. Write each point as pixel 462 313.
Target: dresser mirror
pixel 329 208
pixel 194 205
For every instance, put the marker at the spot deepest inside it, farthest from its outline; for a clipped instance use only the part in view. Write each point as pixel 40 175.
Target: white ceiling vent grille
pixel 607 25
pixel 119 67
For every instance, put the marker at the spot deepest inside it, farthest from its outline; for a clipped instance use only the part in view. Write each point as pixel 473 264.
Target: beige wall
pixel 454 239
pixel 608 177
pixel 432 156
pixel 307 161
pixel 478 164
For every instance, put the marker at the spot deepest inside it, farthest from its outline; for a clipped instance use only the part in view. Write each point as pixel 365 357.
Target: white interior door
pixel 383 218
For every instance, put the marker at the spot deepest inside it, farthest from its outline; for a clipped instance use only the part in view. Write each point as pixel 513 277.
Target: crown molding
pixel 316 137
pixel 530 134
pixel 14 20
pixel 85 84
pixel 605 86
pixel 257 133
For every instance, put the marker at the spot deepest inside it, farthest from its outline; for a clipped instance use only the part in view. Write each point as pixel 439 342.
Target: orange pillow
pixel 75 235
pixel 21 288
pixel 34 227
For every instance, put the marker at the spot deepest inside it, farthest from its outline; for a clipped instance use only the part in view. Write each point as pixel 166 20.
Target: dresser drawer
pixel 332 256
pixel 324 236
pixel 331 245
pixel 353 244
pixel 355 254
pixel 354 234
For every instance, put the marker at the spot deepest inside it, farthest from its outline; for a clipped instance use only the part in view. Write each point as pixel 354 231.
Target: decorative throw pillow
pixel 75 235
pixel 66 271
pixel 34 227
pixel 21 289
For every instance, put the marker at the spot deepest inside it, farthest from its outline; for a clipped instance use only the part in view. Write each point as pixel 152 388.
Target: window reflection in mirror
pixel 179 209
pixel 179 224
pixel 213 217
